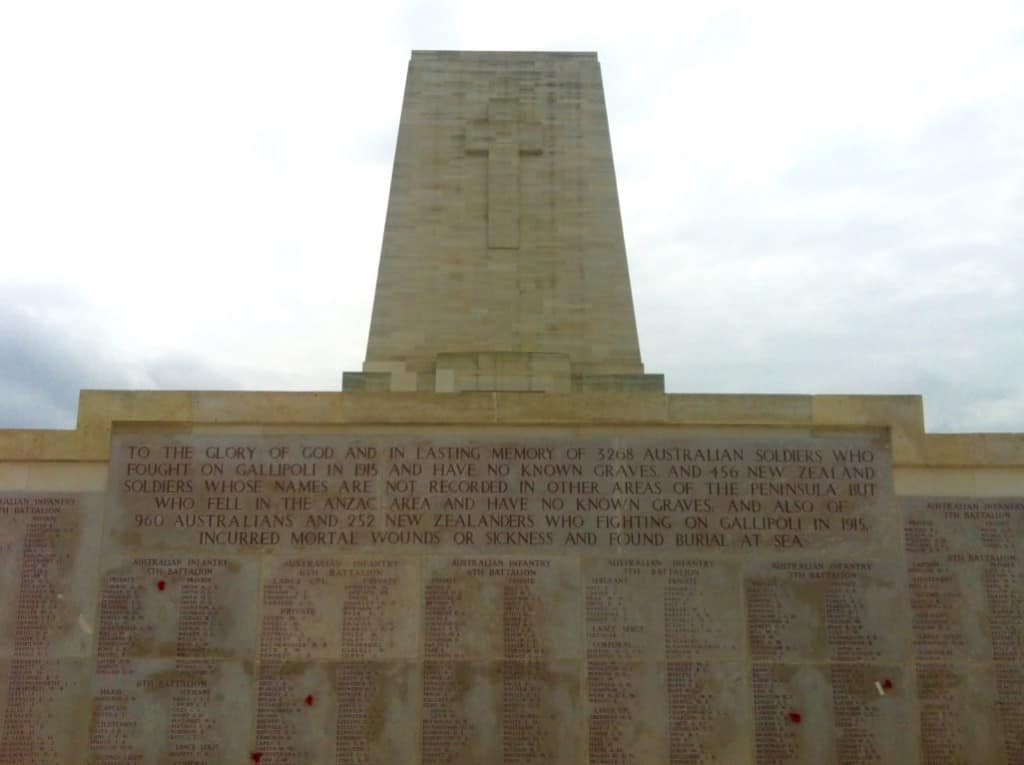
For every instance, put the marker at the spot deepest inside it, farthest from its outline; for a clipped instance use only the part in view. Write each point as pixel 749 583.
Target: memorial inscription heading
pixel 595 493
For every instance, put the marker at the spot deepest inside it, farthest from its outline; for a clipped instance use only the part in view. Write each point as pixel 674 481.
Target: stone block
pixel 752 410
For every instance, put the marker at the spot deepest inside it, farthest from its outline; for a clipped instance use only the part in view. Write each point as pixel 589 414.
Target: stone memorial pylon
pixel 503 266
pixel 503 543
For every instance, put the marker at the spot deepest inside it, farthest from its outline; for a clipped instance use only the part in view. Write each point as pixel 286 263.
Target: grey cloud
pixel 49 351
pixel 942 322
pixel 963 404
pixel 915 286
pixel 763 360
pixel 961 147
pixel 42 366
pixel 746 232
pixel 185 372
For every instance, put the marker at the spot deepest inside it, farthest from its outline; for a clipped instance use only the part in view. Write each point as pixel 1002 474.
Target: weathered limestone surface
pixel 503 265
pixel 509 594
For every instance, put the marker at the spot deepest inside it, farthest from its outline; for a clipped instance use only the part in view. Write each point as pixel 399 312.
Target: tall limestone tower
pixel 503 265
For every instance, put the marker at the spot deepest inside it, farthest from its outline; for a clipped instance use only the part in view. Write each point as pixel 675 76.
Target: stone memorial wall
pixel 516 596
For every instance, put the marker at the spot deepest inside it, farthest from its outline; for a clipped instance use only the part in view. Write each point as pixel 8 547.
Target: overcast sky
pixel 818 197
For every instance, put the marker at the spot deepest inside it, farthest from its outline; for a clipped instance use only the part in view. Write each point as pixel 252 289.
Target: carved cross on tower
pixel 503 136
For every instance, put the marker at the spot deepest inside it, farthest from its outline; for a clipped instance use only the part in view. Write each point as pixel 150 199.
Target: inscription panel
pixel 49 545
pixel 45 715
pixel 582 494
pixel 652 608
pixel 501 608
pixel 334 609
pixel 626 703
pixel 154 711
pixel 177 606
pixel 825 610
pixel 959 720
pixel 708 712
pixel 349 712
pixel 845 713
pixel 965 573
pixel 965 561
